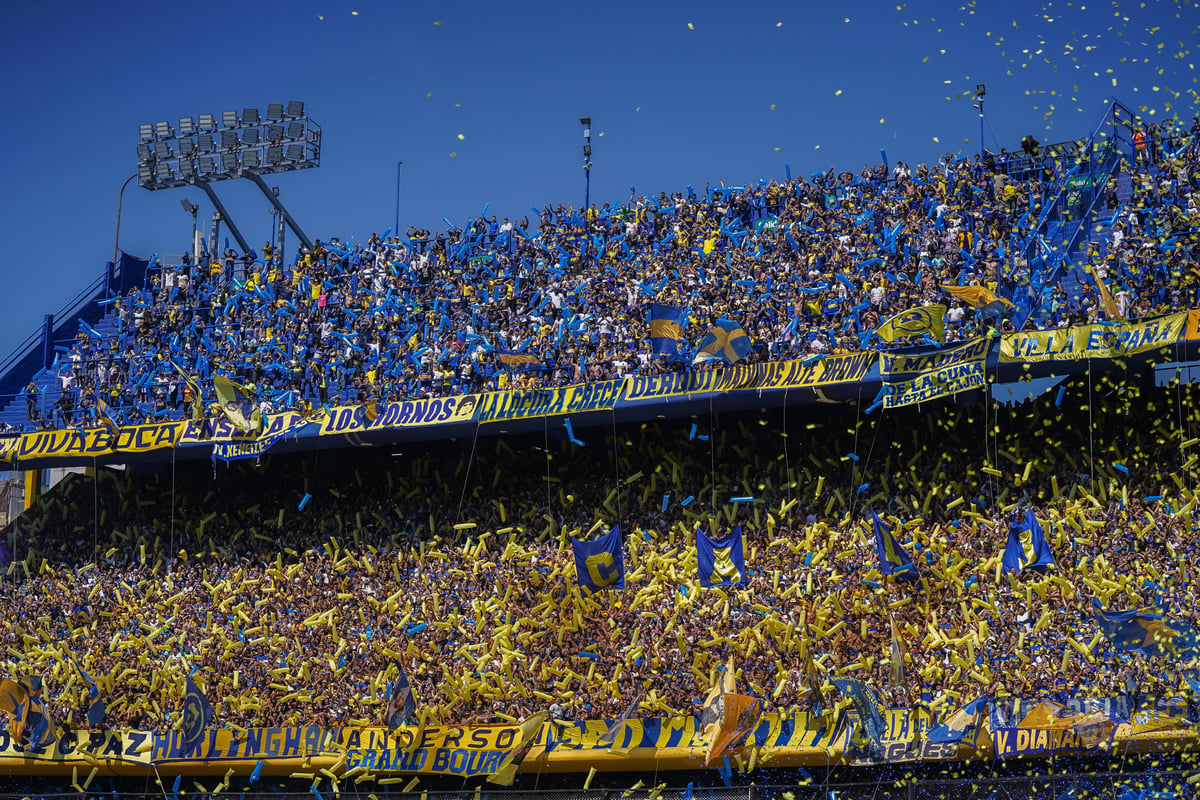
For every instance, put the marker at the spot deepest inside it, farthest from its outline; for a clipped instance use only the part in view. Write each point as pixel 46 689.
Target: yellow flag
pixel 914 322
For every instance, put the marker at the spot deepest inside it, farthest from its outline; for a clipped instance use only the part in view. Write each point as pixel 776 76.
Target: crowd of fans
pixel 457 566
pixel 812 265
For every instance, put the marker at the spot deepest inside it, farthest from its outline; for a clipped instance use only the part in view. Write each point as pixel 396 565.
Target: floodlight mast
pixel 229 147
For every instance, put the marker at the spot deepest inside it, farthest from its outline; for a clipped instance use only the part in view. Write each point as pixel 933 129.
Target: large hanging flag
pixel 666 329
pixel 915 322
pixel 961 724
pixel 600 564
pixel 722 562
pixel 197 713
pixel 401 704
pixel 892 558
pixel 235 402
pixel 726 715
pixel 977 296
pixel 1027 547
pixel 39 722
pixel 14 701
pixel 1148 632
pixel 725 342
pixel 868 705
pixel 519 362
pixel 506 772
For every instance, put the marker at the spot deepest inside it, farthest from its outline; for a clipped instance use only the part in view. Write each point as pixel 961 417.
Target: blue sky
pixel 680 93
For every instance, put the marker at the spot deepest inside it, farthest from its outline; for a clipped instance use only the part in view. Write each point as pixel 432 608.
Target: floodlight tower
pixel 206 151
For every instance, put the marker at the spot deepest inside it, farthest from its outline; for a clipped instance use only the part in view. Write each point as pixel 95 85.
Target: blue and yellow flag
pixel 1148 632
pixel 235 403
pixel 197 713
pixel 14 701
pixel 666 329
pixel 401 704
pixel 600 564
pixel 725 342
pixel 961 724
pixel 915 322
pixel 95 712
pixel 1027 547
pixel 519 362
pixel 892 558
pixel 722 562
pixel 868 705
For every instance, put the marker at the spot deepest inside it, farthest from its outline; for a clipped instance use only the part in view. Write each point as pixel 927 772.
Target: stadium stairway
pixel 36 358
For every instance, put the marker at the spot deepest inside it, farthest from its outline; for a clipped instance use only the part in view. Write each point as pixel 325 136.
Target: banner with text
pixel 909 379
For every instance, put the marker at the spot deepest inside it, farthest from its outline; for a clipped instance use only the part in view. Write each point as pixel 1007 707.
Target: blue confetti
pixel 741 499
pixel 852 456
pixel 1061 391
pixel 304 501
pixel 689 499
pixel 666 500
pixel 1121 467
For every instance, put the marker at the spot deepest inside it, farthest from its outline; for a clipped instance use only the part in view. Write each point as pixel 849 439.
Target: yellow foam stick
pixel 587 784
pixel 408 787
pixel 820 486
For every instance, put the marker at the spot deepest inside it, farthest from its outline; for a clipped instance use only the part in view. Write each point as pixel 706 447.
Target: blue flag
pixel 1027 547
pixel 95 712
pixel 868 705
pixel 892 558
pixel 600 564
pixel 961 724
pixel 197 713
pixel 1148 632
pixel 725 342
pixel 666 329
pixel 401 704
pixel 722 562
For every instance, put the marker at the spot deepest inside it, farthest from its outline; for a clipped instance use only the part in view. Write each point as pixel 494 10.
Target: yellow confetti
pixel 691 27
pixel 461 137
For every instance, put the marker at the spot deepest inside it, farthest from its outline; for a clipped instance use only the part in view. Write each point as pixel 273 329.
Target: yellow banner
pixel 93 442
pixel 501 406
pixel 1094 341
pixel 1192 332
pixel 909 379
pixel 401 414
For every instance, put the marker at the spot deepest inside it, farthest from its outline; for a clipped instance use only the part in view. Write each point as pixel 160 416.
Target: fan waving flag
pixel 197 713
pixel 234 400
pixel 95 712
pixel 14 701
pixel 519 362
pixel 1027 547
pixel 960 724
pixel 976 296
pixel 726 715
pixel 725 342
pixel 915 322
pixel 600 564
pixel 722 562
pixel 892 558
pixel 870 708
pixel 401 705
pixel 666 329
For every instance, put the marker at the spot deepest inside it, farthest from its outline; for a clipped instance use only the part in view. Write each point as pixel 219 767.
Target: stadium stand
pixel 810 266
pixel 840 560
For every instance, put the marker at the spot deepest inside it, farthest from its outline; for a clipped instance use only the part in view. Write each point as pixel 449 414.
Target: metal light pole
pixel 396 229
pixel 980 91
pixel 586 122
pixel 120 199
pixel 192 208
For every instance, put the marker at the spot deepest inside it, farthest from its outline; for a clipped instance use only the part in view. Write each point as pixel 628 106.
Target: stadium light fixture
pixel 227 147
